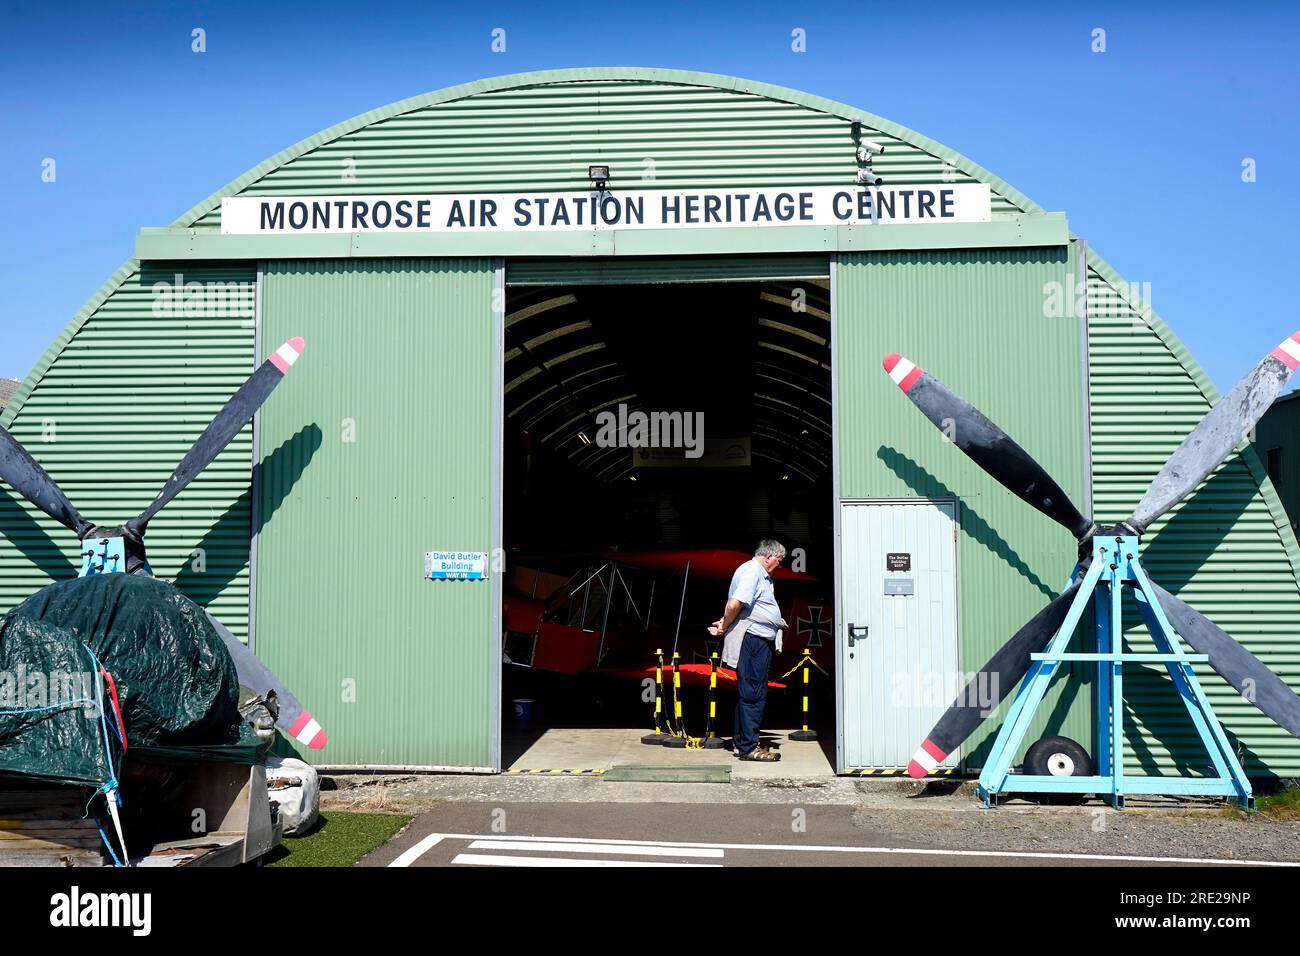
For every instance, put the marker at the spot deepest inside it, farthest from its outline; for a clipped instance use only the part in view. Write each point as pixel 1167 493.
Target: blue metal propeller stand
pixel 1115 565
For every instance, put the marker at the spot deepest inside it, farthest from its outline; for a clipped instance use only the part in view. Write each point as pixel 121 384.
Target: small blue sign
pixel 456 565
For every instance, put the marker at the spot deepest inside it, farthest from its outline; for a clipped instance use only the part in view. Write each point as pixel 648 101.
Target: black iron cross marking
pixel 814 625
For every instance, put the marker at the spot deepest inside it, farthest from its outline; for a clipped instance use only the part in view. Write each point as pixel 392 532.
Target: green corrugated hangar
pixel 473 295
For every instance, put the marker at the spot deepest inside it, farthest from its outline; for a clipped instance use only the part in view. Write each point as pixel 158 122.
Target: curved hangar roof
pixel 527 132
pixel 538 131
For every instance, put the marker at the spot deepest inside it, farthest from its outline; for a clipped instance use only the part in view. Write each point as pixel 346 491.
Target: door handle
pixel 858 632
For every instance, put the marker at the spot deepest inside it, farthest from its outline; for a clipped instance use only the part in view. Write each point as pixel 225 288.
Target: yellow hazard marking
pixel 895 772
pixel 557 770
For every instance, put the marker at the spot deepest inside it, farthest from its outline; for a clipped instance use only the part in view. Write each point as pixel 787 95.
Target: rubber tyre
pixel 1058 757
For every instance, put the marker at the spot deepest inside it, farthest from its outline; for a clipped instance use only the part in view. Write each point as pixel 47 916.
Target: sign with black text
pixel 625 209
pixel 898 561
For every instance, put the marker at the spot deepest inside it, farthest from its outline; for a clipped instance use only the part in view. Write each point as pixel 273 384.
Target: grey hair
pixel 769 548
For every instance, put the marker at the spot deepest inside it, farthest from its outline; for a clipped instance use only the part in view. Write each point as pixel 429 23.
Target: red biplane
pixel 610 615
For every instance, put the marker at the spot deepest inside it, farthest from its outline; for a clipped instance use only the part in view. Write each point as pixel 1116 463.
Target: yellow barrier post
pixel 679 738
pixel 660 732
pixel 711 739
pixel 806 665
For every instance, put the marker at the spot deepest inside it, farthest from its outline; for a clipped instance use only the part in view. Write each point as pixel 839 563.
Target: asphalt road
pixel 661 834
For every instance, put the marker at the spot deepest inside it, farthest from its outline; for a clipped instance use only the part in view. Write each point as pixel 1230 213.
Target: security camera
pixel 866 149
pixel 868 178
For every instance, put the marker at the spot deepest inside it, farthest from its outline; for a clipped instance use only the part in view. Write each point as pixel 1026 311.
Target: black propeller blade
pixel 29 479
pixel 25 475
pixel 1203 450
pixel 1222 429
pixel 987 445
pixel 991 685
pixel 224 427
pixel 1249 675
pixel 294 719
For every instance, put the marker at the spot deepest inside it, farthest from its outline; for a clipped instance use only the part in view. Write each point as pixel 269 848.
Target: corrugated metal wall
pixel 976 320
pixel 1221 549
pixel 652 135
pixel 376 450
pixel 115 414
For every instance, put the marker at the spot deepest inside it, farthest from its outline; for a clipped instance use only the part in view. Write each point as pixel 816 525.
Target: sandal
pixel 763 756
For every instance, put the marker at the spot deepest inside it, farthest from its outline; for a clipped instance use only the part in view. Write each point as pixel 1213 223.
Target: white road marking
pixel 602 847
pixel 416 851
pixel 484 859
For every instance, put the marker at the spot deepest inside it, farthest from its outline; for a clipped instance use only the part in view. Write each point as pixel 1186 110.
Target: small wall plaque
pixel 898 561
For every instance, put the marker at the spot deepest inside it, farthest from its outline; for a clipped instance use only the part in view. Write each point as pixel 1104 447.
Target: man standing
pixel 753 625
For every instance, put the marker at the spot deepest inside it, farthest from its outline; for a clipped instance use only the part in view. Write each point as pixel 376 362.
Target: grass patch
pixel 339 839
pixel 1281 806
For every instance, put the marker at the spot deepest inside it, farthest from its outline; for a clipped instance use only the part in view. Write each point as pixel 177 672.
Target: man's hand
pixel 729 615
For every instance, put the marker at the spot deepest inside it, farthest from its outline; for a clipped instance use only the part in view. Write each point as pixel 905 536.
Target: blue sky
pixel 1141 145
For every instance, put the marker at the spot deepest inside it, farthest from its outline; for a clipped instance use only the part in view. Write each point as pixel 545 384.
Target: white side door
pixel 901 659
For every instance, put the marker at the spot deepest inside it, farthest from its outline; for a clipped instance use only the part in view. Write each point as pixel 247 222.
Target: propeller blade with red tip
pixel 986 444
pixel 1223 428
pixel 224 427
pixel 995 680
pixel 295 720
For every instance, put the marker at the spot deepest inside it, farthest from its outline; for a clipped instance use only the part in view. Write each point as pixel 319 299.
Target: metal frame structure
pixel 1114 565
pixel 496 621
pixel 837 530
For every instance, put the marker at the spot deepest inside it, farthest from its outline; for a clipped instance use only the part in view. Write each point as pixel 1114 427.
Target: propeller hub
pixel 132 543
pixel 1121 530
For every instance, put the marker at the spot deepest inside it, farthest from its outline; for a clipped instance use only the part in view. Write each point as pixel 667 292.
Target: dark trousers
pixel 751 674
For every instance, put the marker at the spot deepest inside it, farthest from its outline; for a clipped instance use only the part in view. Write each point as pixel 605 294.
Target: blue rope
pixel 103 721
pixel 109 785
pixel 40 710
pixel 107 844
